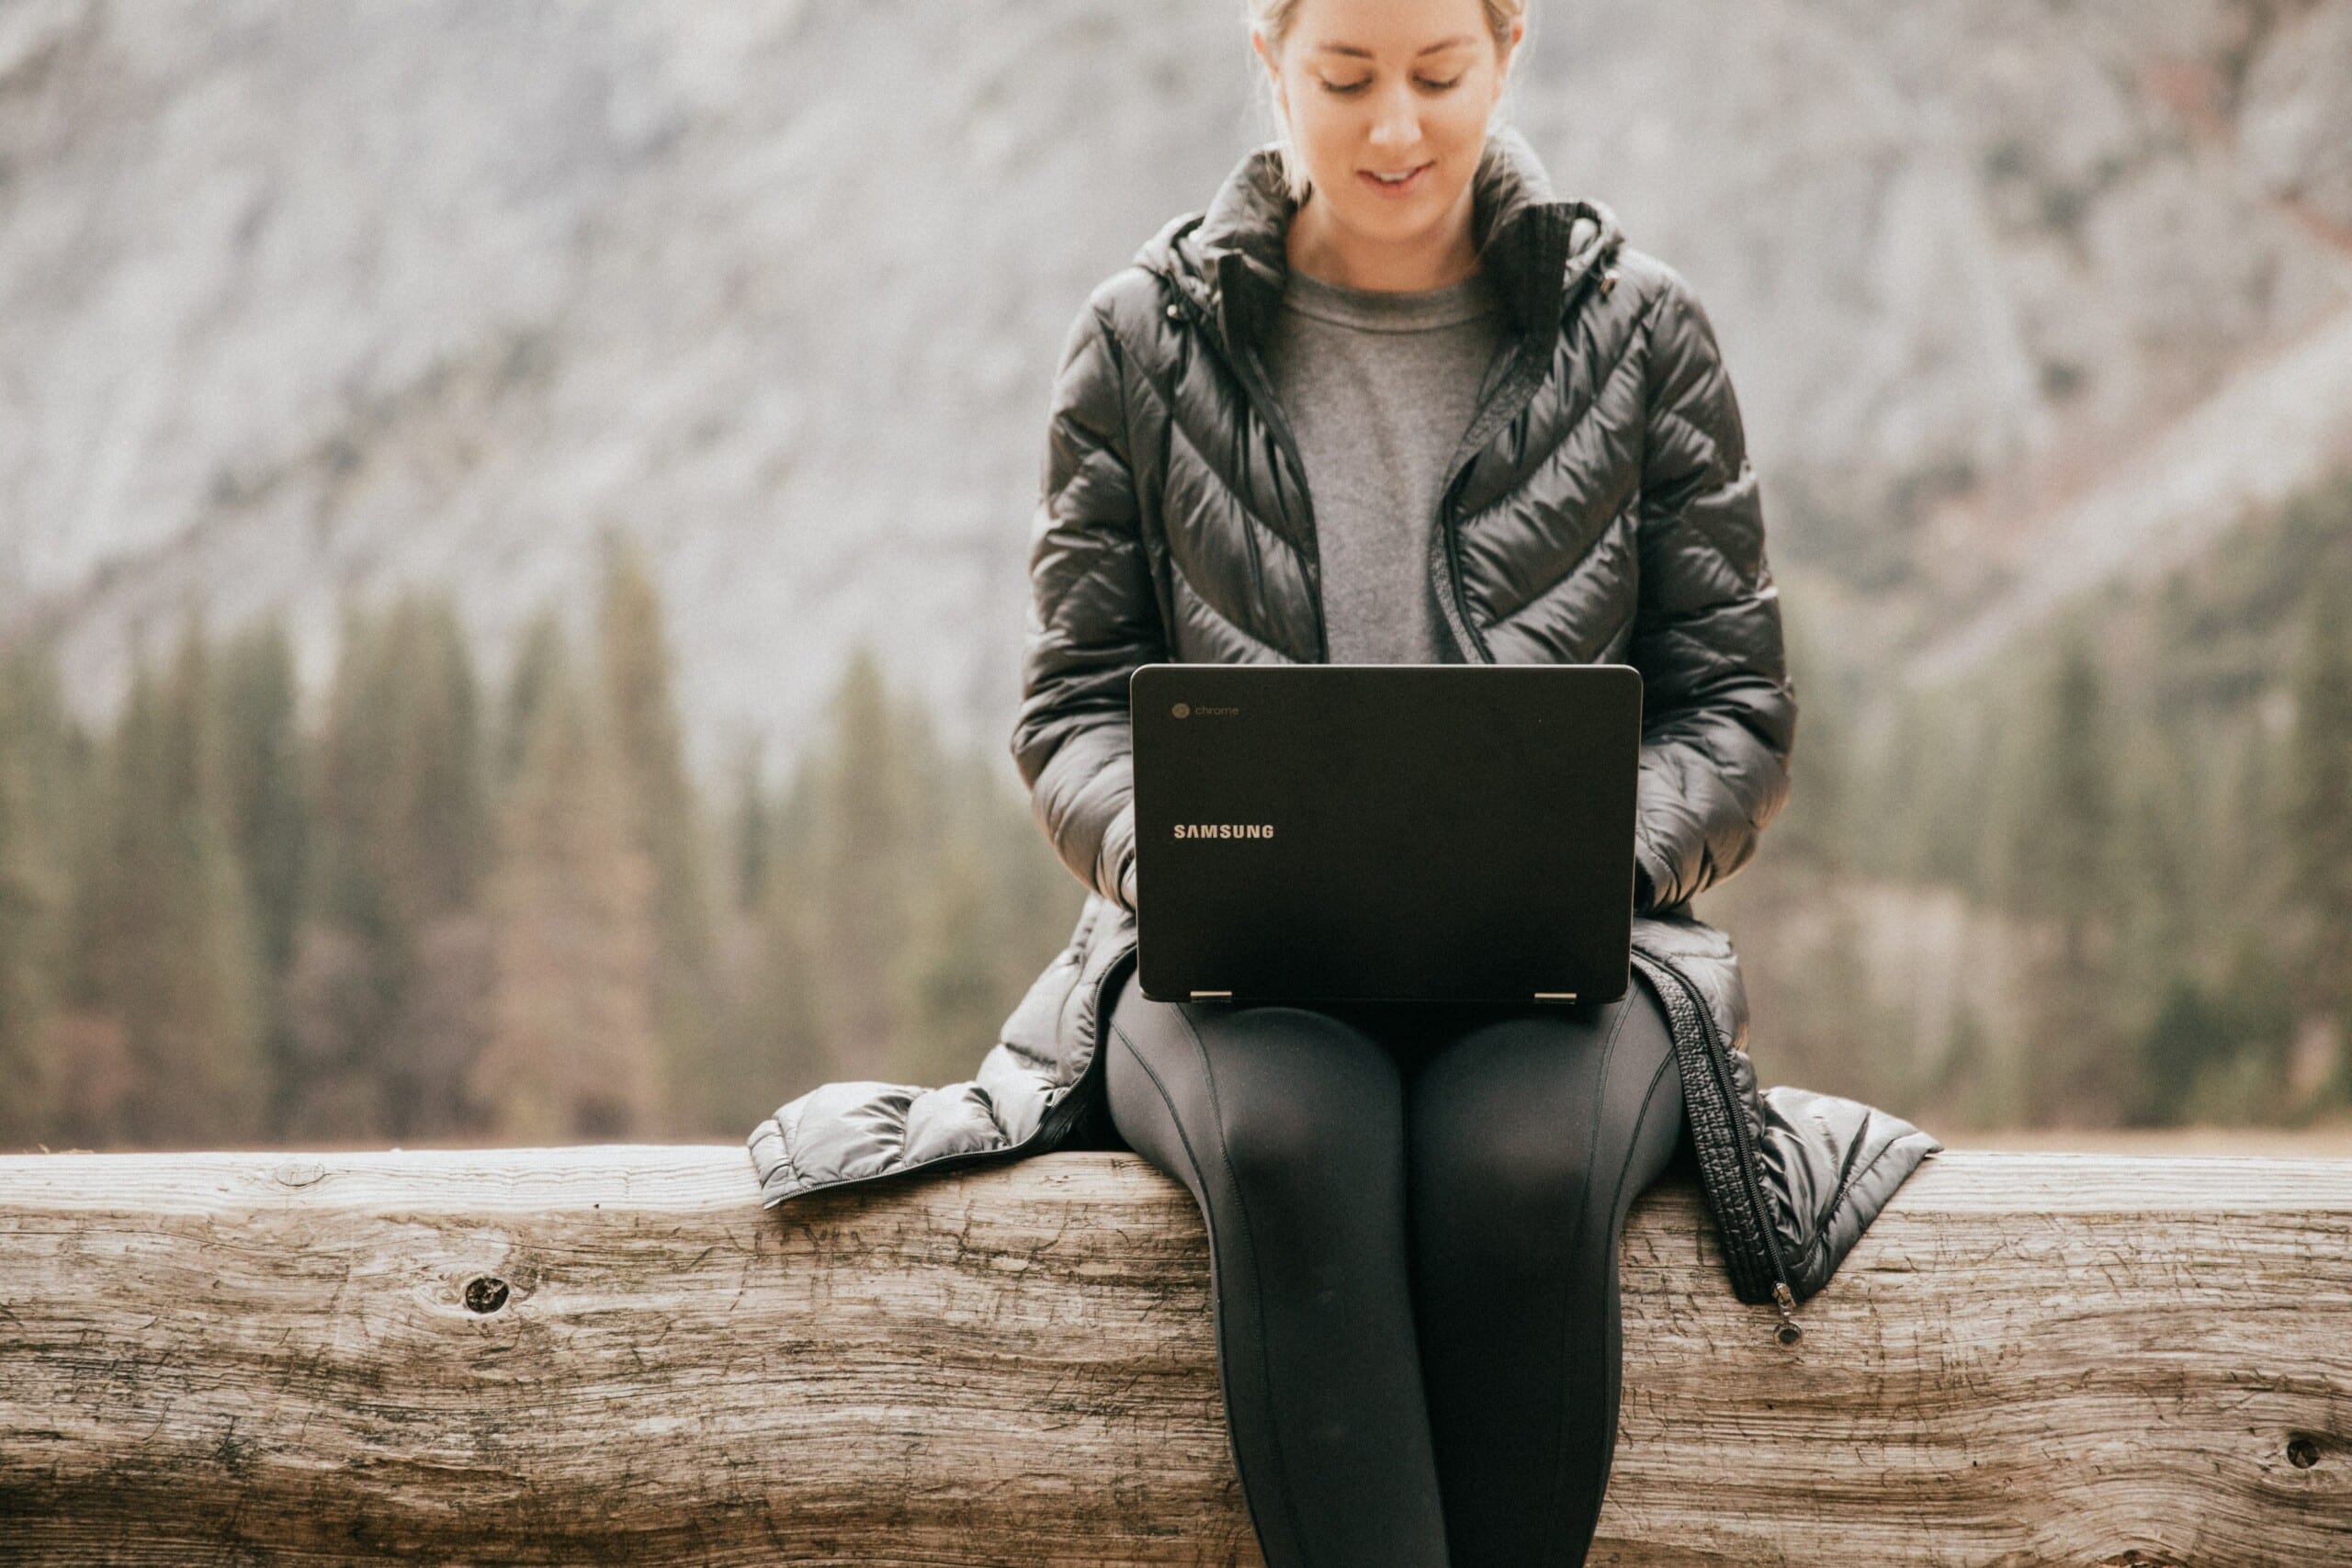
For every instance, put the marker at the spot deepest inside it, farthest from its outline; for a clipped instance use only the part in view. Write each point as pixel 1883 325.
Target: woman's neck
pixel 1318 247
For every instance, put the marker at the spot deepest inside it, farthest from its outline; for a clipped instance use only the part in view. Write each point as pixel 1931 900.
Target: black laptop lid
pixel 1384 831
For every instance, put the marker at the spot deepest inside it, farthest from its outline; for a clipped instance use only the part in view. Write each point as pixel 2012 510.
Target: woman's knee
pixel 1503 1119
pixel 1304 1100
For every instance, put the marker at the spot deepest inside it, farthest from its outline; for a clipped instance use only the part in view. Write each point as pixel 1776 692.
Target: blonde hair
pixel 1273 19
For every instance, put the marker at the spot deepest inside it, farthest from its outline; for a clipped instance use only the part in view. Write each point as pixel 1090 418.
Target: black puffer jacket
pixel 1600 508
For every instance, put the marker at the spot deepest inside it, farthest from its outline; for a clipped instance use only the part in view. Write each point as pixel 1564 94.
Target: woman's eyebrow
pixel 1326 47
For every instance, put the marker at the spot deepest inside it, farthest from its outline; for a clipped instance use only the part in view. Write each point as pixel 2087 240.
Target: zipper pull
pixel 1790 1332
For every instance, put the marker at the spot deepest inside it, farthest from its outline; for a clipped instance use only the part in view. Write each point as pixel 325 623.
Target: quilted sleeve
pixel 1719 714
pixel 1093 618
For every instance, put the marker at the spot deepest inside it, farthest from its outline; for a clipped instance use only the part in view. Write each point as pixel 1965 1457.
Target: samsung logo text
pixel 1225 830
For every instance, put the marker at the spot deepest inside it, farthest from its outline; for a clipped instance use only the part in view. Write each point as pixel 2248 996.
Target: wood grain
pixel 613 1355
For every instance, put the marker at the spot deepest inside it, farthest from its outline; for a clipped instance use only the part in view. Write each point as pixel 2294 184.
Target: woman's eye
pixel 1344 88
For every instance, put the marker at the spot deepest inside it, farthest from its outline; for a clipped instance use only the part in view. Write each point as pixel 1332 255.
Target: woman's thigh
pixel 1286 1100
pixel 1537 1110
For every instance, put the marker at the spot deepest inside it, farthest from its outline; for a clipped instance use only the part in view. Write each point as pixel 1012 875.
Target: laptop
pixel 1331 832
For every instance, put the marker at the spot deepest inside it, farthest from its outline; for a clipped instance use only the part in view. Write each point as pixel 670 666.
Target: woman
pixel 1388 399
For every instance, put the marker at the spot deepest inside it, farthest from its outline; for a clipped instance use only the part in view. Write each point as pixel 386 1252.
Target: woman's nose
pixel 1396 120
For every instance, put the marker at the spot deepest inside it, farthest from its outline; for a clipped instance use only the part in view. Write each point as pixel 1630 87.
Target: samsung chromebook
pixel 1384 831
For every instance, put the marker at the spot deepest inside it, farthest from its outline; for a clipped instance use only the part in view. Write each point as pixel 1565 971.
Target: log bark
pixel 613 1355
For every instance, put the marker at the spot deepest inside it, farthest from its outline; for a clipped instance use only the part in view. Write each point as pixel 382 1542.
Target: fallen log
pixel 613 1355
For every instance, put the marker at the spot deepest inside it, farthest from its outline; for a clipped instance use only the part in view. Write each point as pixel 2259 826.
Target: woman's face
pixel 1389 87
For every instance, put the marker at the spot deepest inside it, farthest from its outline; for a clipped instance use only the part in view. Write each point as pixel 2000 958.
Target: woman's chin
pixel 1386 222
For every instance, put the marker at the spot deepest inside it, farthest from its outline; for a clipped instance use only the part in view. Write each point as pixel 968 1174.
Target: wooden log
pixel 613 1355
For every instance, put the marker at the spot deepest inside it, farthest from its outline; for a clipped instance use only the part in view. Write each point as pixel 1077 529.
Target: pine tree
pixel 964 946
pixel 780 1027
pixel 537 671
pixel 2062 871
pixel 2318 827
pixel 572 1051
pixel 165 956
pixel 443 828
pixel 403 833
pixel 38 748
pixel 2183 1043
pixel 869 809
pixel 751 832
pixel 2155 868
pixel 664 821
pixel 264 766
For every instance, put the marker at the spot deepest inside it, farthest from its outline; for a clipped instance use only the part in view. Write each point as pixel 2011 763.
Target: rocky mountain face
pixel 304 300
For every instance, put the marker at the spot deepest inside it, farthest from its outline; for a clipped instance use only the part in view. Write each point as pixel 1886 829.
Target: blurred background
pixel 514 525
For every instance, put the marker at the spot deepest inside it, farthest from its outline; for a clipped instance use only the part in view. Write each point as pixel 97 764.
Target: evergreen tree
pixel 443 826
pixel 539 669
pixel 955 998
pixel 2183 1043
pixel 403 835
pixel 163 936
pixel 2318 826
pixel 664 820
pixel 264 767
pixel 2246 871
pixel 572 1051
pixel 974 947
pixel 869 806
pixel 2242 1075
pixel 2155 867
pixel 2060 871
pixel 752 830
pixel 38 768
pixel 1036 901
pixel 780 1030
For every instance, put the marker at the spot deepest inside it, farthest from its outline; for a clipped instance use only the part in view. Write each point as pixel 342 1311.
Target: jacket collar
pixel 1231 257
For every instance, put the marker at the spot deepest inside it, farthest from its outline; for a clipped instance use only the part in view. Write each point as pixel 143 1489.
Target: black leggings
pixel 1414 1213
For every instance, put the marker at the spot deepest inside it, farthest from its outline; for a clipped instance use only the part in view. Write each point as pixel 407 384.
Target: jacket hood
pixel 1232 260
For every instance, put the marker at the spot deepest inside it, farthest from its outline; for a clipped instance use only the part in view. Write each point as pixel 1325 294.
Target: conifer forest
pixel 445 904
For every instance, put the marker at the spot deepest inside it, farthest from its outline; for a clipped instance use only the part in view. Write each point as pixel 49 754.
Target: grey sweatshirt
pixel 1379 386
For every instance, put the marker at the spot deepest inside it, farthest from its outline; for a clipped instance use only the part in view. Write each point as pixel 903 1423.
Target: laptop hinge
pixel 1197 995
pixel 1555 996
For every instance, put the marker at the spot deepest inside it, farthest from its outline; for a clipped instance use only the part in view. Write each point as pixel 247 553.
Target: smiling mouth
pixel 1409 179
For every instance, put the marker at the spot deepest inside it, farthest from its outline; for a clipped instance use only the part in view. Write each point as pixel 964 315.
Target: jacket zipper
pixel 1516 389
pixel 1783 1299
pixel 1259 386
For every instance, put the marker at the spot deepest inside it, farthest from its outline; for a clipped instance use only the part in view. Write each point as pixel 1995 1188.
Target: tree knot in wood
pixel 485 1294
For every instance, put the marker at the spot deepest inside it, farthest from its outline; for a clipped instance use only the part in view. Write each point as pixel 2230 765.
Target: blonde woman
pixel 1388 398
